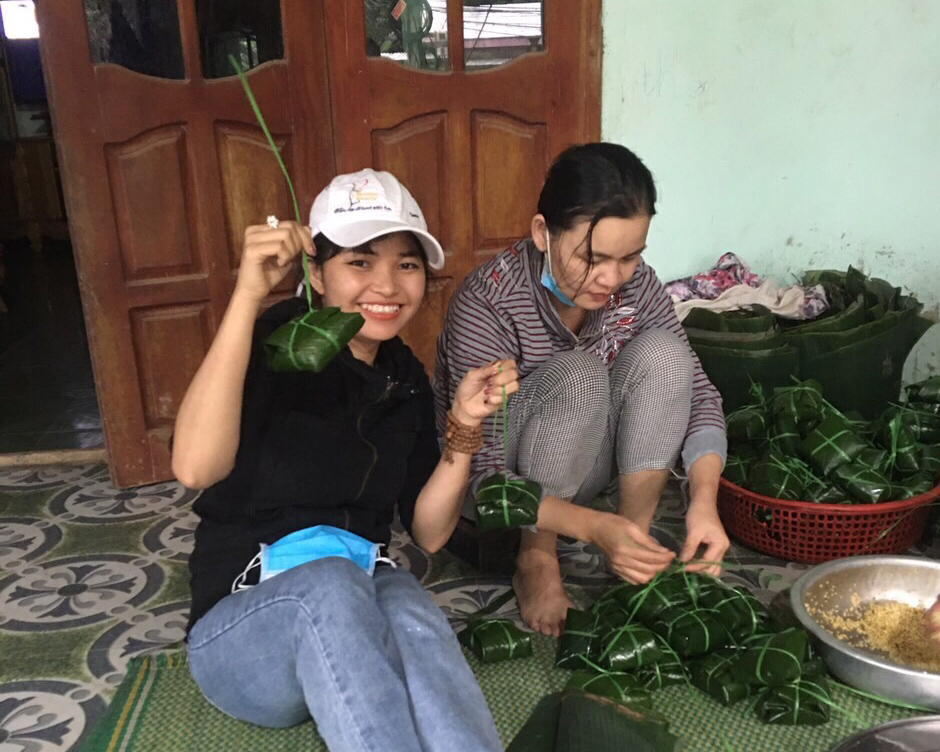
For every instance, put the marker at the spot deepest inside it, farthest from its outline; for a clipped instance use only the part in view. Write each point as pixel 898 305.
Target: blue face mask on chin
pixel 310 544
pixel 548 279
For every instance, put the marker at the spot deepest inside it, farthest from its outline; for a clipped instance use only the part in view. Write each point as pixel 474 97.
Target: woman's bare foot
pixel 539 590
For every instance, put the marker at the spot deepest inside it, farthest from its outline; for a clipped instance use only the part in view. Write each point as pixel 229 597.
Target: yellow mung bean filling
pixel 896 629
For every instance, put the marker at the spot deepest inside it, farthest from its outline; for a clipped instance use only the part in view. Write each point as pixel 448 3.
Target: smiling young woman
pixel 299 466
pixel 610 391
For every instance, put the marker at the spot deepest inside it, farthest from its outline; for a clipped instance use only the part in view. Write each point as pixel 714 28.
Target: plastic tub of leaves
pixel 867 614
pixel 813 532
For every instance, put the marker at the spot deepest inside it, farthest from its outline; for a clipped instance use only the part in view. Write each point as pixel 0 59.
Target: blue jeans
pixel 371 659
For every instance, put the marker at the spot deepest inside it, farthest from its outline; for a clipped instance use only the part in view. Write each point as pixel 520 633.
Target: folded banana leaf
pixel 758 319
pixel 575 721
pixel 924 424
pixel 805 702
pixel 309 342
pixel 773 660
pixel 739 341
pixel 627 647
pixel 493 640
pixel 777 477
pixel 737 470
pixel 692 632
pixel 930 460
pixel 737 609
pixel 831 444
pixel 712 675
pixel 874 458
pixel 865 484
pixel 503 503
pixel 614 606
pixel 733 371
pixel 580 640
pixel 662 593
pixel 746 424
pixel 915 485
pixel 814 668
pixel 786 434
pixel 933 408
pixel 887 341
pixel 802 402
pixel 829 494
pixel 666 672
pixel 925 391
pixel 613 615
pixel 614 685
pixel 900 443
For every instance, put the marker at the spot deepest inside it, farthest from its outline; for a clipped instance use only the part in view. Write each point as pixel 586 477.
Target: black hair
pixel 594 181
pixel 325 249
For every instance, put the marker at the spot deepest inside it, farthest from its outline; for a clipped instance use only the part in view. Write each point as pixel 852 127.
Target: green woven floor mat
pixel 158 708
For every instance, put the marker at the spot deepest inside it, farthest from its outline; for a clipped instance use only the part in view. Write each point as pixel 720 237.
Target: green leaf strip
pixel 277 155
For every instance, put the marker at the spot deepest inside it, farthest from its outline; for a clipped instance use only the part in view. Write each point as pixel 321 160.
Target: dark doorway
pixel 47 391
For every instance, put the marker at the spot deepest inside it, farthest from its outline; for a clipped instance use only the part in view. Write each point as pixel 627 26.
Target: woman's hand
pixel 267 256
pixel 704 528
pixel 631 554
pixel 481 391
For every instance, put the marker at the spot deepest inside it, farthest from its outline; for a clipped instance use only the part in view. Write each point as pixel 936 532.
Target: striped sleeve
pixel 474 333
pixel 706 432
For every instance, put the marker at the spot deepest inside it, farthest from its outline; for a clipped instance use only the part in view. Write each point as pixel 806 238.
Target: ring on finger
pixel 273 222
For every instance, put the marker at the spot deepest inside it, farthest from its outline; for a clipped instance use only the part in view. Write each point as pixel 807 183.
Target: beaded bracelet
pixel 460 438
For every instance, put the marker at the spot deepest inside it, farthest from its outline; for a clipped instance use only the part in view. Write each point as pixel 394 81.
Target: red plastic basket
pixel 809 532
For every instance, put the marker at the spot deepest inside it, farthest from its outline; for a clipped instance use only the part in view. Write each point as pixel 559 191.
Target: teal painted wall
pixel 796 133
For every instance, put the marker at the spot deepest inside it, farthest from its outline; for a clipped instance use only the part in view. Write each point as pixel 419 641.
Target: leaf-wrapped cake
pixel 503 503
pixel 493 640
pixel 309 342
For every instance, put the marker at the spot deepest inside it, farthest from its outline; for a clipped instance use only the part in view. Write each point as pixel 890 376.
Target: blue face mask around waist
pixel 310 544
pixel 548 280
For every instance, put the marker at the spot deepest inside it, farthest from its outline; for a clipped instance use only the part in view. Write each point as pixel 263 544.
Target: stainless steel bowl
pixel 911 735
pixel 832 586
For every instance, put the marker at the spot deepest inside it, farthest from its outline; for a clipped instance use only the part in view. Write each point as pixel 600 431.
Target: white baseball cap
pixel 354 209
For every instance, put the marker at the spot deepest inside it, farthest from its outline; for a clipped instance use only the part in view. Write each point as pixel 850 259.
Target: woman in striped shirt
pixel 609 388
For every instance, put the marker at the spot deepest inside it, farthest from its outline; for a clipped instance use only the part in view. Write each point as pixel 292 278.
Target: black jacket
pixel 343 447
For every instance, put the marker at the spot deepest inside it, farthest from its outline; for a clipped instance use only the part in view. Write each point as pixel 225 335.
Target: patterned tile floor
pixel 91 576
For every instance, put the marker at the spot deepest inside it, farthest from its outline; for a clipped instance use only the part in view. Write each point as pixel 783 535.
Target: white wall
pixel 796 133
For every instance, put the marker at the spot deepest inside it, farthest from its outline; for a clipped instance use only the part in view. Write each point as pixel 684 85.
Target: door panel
pixel 150 171
pixel 185 330
pixel 509 161
pixel 250 178
pixel 161 176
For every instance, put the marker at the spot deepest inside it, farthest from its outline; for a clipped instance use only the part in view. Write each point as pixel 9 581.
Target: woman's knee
pixel 576 370
pixel 658 352
pixel 406 604
pixel 574 384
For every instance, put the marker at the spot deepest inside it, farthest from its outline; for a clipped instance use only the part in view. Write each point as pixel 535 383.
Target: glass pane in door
pixel 249 30
pixel 410 32
pixel 495 33
pixel 142 35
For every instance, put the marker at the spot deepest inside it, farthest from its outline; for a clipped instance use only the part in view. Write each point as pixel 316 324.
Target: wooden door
pixel 472 142
pixel 163 166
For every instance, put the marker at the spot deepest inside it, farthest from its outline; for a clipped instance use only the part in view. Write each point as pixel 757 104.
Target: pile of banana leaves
pixel 691 629
pixel 869 328
pixel 796 445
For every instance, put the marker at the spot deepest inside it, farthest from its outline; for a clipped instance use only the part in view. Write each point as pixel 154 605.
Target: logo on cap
pixel 358 193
